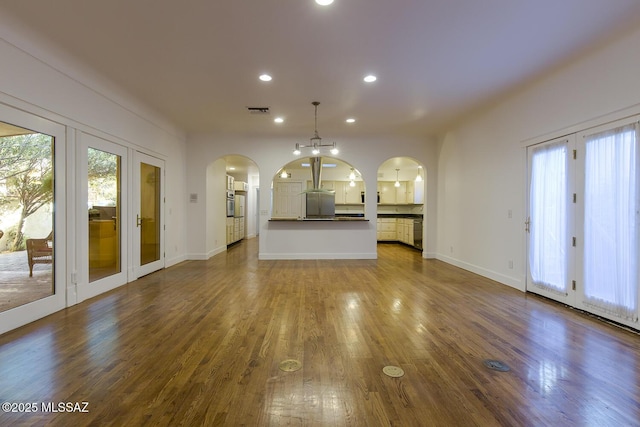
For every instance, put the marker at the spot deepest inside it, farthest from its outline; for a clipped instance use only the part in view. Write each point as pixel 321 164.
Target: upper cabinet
pixel 408 175
pixel 387 193
pixel 348 195
pixel 240 186
pixel 345 193
pixel 405 194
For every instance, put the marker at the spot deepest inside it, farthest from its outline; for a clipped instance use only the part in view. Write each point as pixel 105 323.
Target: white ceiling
pixel 197 61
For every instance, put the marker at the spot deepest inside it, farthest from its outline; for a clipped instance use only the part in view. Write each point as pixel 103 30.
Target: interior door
pixel 149 222
pixel 550 223
pixel 287 199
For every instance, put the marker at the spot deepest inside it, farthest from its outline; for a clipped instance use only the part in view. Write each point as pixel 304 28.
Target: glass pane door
pixel 26 216
pixel 149 224
pixel 149 219
pixel 611 223
pixel 104 213
pixel 32 217
pixel 549 222
pixel 102 210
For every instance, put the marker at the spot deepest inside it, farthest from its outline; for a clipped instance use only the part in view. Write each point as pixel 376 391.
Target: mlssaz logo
pixel 65 407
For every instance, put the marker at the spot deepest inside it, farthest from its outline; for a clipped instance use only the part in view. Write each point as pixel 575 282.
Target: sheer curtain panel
pixel 611 212
pixel 548 221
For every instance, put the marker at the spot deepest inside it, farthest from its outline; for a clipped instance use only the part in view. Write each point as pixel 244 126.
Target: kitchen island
pixel 331 219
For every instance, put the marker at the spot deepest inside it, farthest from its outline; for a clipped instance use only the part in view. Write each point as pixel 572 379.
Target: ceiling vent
pixel 258 110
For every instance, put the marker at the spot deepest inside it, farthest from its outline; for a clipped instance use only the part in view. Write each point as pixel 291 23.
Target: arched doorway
pixel 400 191
pixel 293 180
pixel 242 188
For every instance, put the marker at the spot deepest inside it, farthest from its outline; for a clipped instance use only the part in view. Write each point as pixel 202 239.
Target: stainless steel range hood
pixel 320 203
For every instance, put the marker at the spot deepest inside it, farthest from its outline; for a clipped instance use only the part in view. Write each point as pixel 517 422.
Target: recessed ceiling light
pixel 265 77
pixel 370 78
pixel 231 168
pixel 324 2
pixel 278 120
pixel 350 120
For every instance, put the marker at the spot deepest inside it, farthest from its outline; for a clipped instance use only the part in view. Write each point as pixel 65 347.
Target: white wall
pixel 482 162
pixel 38 78
pixel 216 225
pixel 288 241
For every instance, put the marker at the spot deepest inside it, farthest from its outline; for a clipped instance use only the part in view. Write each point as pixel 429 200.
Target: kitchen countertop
pixel 400 215
pixel 334 219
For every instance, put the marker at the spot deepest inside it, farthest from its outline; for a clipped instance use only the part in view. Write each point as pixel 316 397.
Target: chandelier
pixel 315 142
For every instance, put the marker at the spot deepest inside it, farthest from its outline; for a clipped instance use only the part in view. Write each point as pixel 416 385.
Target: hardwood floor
pixel 200 344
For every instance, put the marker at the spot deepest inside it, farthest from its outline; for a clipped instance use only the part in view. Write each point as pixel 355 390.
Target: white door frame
pixel 570 295
pixel 86 289
pixel 141 270
pixel 18 316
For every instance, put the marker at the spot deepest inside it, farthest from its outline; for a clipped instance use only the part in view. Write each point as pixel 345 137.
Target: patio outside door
pixel 149 222
pixel 551 256
pixel 32 218
pixel 102 211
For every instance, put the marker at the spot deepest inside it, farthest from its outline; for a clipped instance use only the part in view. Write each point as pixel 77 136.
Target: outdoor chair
pixel 40 251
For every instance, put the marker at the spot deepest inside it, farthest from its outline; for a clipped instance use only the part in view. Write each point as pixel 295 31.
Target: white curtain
pixel 548 217
pixel 611 221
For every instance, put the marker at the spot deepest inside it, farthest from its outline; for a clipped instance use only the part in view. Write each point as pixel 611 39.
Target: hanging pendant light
pixel 397 184
pixel 419 176
pixel 315 142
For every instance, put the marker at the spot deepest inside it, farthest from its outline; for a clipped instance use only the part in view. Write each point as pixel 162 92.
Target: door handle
pixel 138 220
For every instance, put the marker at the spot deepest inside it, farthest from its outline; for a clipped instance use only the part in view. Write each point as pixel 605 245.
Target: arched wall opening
pixel 292 180
pixel 232 195
pixel 401 193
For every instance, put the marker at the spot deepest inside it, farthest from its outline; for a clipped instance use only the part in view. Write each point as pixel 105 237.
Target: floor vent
pixel 393 371
pixel 496 365
pixel 290 365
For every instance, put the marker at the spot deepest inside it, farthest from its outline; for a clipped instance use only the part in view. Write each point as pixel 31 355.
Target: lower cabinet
pixel 235 230
pixel 387 230
pixel 395 230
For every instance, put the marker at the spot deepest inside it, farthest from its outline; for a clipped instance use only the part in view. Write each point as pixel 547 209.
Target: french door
pixel 550 225
pixel 33 232
pixel 608 269
pixel 148 235
pixel 102 211
pixel 584 221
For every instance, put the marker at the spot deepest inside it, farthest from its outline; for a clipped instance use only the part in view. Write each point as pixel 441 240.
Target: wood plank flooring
pixel 200 344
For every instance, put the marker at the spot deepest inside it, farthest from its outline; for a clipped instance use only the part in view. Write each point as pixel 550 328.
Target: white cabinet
pixel 238 229
pixel 353 195
pixel 240 186
pixel 401 193
pixel 230 181
pixel 230 226
pixel 235 230
pixel 346 194
pixel 407 193
pixel 405 230
pixel 387 229
pixel 395 230
pixel 387 192
pixel 328 185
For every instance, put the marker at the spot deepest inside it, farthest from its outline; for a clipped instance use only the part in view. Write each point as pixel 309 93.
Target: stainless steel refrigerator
pixel 321 204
